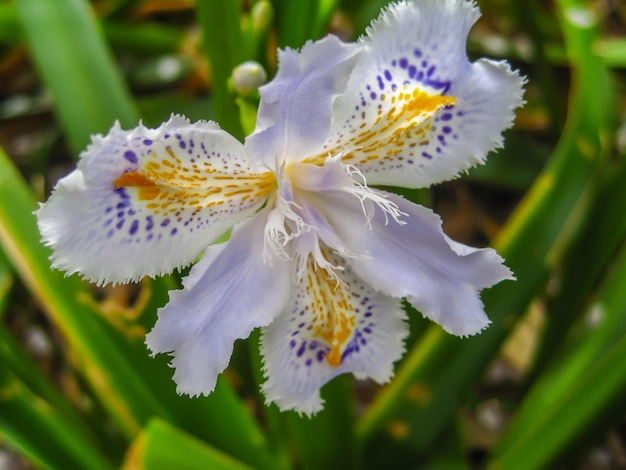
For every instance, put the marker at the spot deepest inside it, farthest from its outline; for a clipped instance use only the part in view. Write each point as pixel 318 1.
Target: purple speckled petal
pixel 228 293
pixel 295 110
pixel 440 277
pixel 330 329
pixel 146 201
pixel 416 111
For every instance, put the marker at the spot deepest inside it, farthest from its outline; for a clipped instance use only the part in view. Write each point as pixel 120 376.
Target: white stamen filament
pixel 364 193
pixel 290 234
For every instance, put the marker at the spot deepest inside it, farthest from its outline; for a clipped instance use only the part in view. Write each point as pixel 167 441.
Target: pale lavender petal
pixel 297 350
pixel 416 111
pixel 440 277
pixel 146 201
pixel 295 111
pixel 231 291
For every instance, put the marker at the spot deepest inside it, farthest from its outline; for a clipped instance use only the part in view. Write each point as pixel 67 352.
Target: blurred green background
pixel 543 387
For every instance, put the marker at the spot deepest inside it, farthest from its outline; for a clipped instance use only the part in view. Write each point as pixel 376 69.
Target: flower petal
pixel 416 112
pixel 440 277
pixel 231 291
pixel 146 201
pixel 330 329
pixel 295 111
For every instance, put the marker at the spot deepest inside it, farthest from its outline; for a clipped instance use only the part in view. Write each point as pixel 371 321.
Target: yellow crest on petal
pixel 403 122
pixel 332 310
pixel 169 185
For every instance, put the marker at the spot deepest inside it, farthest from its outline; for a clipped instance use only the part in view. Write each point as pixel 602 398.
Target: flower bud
pixel 248 77
pixel 261 15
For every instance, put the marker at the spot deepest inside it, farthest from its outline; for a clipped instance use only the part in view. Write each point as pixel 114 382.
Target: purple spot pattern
pixel 306 352
pixel 125 220
pixel 401 72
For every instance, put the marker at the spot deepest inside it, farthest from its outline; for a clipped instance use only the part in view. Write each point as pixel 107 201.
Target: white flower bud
pixel 248 77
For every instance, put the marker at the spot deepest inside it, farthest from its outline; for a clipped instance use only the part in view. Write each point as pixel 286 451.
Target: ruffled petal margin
pixel 330 329
pixel 147 201
pixel 438 276
pixel 228 293
pixel 416 111
pixel 295 110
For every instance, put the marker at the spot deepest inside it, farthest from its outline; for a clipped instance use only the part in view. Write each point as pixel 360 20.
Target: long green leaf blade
pixel 222 43
pixel 556 383
pixel 161 445
pixel 6 281
pixel 41 432
pixel 76 66
pixel 589 405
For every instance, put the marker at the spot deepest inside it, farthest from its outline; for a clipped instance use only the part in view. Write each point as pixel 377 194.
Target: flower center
pixel 299 228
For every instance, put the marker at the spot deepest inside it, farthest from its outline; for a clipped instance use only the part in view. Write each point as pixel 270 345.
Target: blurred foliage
pixel 543 387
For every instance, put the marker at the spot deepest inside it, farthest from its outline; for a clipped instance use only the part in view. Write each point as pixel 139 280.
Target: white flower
pixel 318 258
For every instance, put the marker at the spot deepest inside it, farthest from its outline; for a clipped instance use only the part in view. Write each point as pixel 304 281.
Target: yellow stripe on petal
pixel 401 123
pixel 147 201
pixel 332 310
pixel 170 185
pixel 399 126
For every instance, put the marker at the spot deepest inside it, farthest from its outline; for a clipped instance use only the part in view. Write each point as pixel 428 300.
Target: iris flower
pixel 318 258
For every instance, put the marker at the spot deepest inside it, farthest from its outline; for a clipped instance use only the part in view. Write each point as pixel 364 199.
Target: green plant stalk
pixel 41 432
pixel 527 15
pixel 76 66
pixel 276 421
pixel 6 282
pixel 143 38
pixel 325 10
pixel 297 22
pixel 9 26
pixel 441 368
pixel 161 445
pixel 222 43
pixel 255 30
pixel 326 440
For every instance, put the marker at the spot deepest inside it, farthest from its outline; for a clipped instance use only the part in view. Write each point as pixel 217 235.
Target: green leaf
pixel 612 51
pixel 603 329
pixel 222 43
pixel 6 282
pixel 68 49
pixel 326 440
pixel 13 356
pixel 41 432
pixel 143 37
pixel 9 27
pixel 163 446
pixel 604 230
pixel 573 419
pixel 296 21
